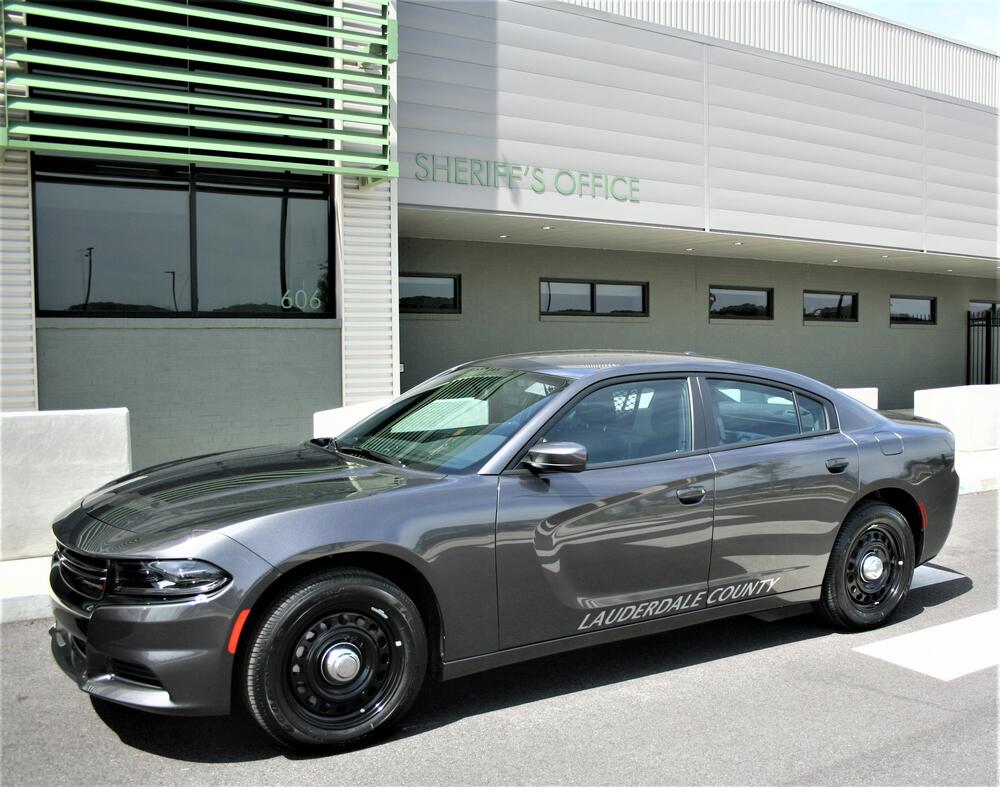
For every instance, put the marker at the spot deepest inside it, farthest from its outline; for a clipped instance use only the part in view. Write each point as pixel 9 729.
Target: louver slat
pixel 312 96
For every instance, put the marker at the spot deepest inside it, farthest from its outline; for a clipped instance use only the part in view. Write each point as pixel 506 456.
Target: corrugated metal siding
pixel 18 379
pixel 831 35
pixel 722 138
pixel 367 290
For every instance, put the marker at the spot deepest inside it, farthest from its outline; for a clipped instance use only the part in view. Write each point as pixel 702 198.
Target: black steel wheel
pixel 336 660
pixel 870 569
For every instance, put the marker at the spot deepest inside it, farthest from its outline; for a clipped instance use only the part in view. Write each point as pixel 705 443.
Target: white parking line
pixel 928 575
pixel 945 652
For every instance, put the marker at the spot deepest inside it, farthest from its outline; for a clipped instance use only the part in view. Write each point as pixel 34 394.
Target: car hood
pixel 211 491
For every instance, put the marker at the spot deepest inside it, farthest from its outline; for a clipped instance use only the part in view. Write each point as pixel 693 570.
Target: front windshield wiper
pixel 367 453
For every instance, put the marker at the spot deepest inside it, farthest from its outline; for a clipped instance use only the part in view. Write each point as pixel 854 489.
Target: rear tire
pixel 337 660
pixel 870 568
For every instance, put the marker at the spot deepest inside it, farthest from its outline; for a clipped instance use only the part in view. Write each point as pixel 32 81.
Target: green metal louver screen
pixel 298 85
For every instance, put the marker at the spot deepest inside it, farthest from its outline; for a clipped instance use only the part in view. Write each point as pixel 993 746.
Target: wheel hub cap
pixel 341 663
pixel 871 568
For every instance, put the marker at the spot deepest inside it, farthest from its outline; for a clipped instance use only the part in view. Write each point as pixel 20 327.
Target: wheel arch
pixel 391 567
pixel 904 502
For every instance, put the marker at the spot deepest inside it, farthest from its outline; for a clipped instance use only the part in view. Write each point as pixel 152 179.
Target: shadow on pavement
pixel 236 738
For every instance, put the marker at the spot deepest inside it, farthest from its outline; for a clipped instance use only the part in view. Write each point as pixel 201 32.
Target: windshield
pixel 453 423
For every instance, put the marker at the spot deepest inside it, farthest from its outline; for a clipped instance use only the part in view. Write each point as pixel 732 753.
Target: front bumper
pixel 163 657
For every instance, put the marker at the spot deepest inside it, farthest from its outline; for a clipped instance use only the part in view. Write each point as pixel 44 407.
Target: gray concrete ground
pixel 736 702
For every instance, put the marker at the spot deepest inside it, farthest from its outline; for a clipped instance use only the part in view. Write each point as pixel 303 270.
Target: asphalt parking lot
pixel 734 702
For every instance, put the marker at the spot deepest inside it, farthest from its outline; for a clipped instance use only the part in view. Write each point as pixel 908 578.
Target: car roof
pixel 582 364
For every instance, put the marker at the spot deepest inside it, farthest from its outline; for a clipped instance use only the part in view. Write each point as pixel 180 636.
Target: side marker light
pixel 234 638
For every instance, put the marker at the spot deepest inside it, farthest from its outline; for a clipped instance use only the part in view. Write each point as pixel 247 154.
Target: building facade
pixel 228 216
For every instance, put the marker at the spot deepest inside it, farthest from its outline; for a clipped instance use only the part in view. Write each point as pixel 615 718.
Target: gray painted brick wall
pixel 193 386
pixel 500 307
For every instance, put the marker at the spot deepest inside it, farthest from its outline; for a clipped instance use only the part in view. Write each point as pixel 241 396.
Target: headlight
pixel 166 578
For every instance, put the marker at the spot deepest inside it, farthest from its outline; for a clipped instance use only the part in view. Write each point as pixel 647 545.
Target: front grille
pixel 87 575
pixel 133 672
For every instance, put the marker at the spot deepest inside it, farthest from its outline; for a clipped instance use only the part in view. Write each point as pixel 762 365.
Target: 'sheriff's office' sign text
pixel 506 174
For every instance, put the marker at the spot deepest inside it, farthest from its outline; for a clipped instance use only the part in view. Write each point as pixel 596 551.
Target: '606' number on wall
pixel 300 299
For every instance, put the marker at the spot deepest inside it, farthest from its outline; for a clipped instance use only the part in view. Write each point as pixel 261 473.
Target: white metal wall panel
pixel 829 34
pixel 538 86
pixel 720 136
pixel 18 378
pixel 367 290
pixel 798 152
pixel 961 170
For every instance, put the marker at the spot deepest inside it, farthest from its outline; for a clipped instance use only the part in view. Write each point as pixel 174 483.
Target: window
pixel 115 238
pixel 431 293
pixel 560 296
pixel 835 306
pixel 455 422
pixel 740 303
pixel 629 421
pixel 912 309
pixel 745 412
pixel 981 308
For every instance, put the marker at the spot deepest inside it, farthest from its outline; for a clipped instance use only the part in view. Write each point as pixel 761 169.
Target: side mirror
pixel 564 457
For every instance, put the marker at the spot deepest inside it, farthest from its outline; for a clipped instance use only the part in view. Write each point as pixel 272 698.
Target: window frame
pixel 593 298
pixel 699 444
pixel 455 277
pixel 856 306
pixel 714 445
pixel 931 321
pixel 191 178
pixel 770 303
pixel 994 305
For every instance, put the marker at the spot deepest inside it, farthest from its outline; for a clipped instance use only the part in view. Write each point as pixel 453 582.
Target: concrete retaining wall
pixel 48 460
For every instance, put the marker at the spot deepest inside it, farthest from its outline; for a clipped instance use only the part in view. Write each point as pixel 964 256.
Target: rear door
pixel 786 476
pixel 627 539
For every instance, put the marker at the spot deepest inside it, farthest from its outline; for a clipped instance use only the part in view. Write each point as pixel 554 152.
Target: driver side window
pixel 641 419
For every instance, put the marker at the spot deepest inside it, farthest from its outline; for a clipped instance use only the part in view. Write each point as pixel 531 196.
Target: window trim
pixel 455 277
pixel 699 442
pixel 856 309
pixel 833 422
pixel 931 321
pixel 180 177
pixel 593 298
pixel 770 303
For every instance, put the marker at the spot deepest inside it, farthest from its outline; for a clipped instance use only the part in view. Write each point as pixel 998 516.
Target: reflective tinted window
pixel 428 293
pixel 748 411
pixel 912 309
pixel 630 421
pixel 740 303
pixel 565 296
pixel 812 414
pixel 830 305
pixel 111 248
pixel 619 299
pixel 241 267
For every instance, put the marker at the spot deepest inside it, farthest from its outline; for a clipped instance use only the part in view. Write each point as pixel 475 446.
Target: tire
pixel 297 680
pixel 852 599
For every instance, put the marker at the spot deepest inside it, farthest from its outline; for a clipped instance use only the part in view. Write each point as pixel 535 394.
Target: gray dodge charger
pixel 504 510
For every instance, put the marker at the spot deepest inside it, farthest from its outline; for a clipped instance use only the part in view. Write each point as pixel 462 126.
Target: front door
pixel 627 539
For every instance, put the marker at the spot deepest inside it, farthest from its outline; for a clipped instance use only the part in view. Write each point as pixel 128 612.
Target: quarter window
pixel 558 296
pixel 812 414
pixel 836 306
pixel 429 293
pixel 905 309
pixel 740 303
pixel 629 421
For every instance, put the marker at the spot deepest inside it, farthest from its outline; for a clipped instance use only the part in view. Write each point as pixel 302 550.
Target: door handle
pixel 838 465
pixel 691 495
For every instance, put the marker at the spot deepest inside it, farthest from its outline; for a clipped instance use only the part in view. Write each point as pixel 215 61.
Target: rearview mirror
pixel 564 457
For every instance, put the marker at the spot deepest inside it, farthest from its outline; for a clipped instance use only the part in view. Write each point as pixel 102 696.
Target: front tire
pixel 870 569
pixel 337 660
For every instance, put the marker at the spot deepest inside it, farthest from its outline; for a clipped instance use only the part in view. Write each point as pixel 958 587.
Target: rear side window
pixel 745 412
pixel 812 414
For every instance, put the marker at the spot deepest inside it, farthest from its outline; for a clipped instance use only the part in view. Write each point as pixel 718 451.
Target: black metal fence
pixel 982 360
